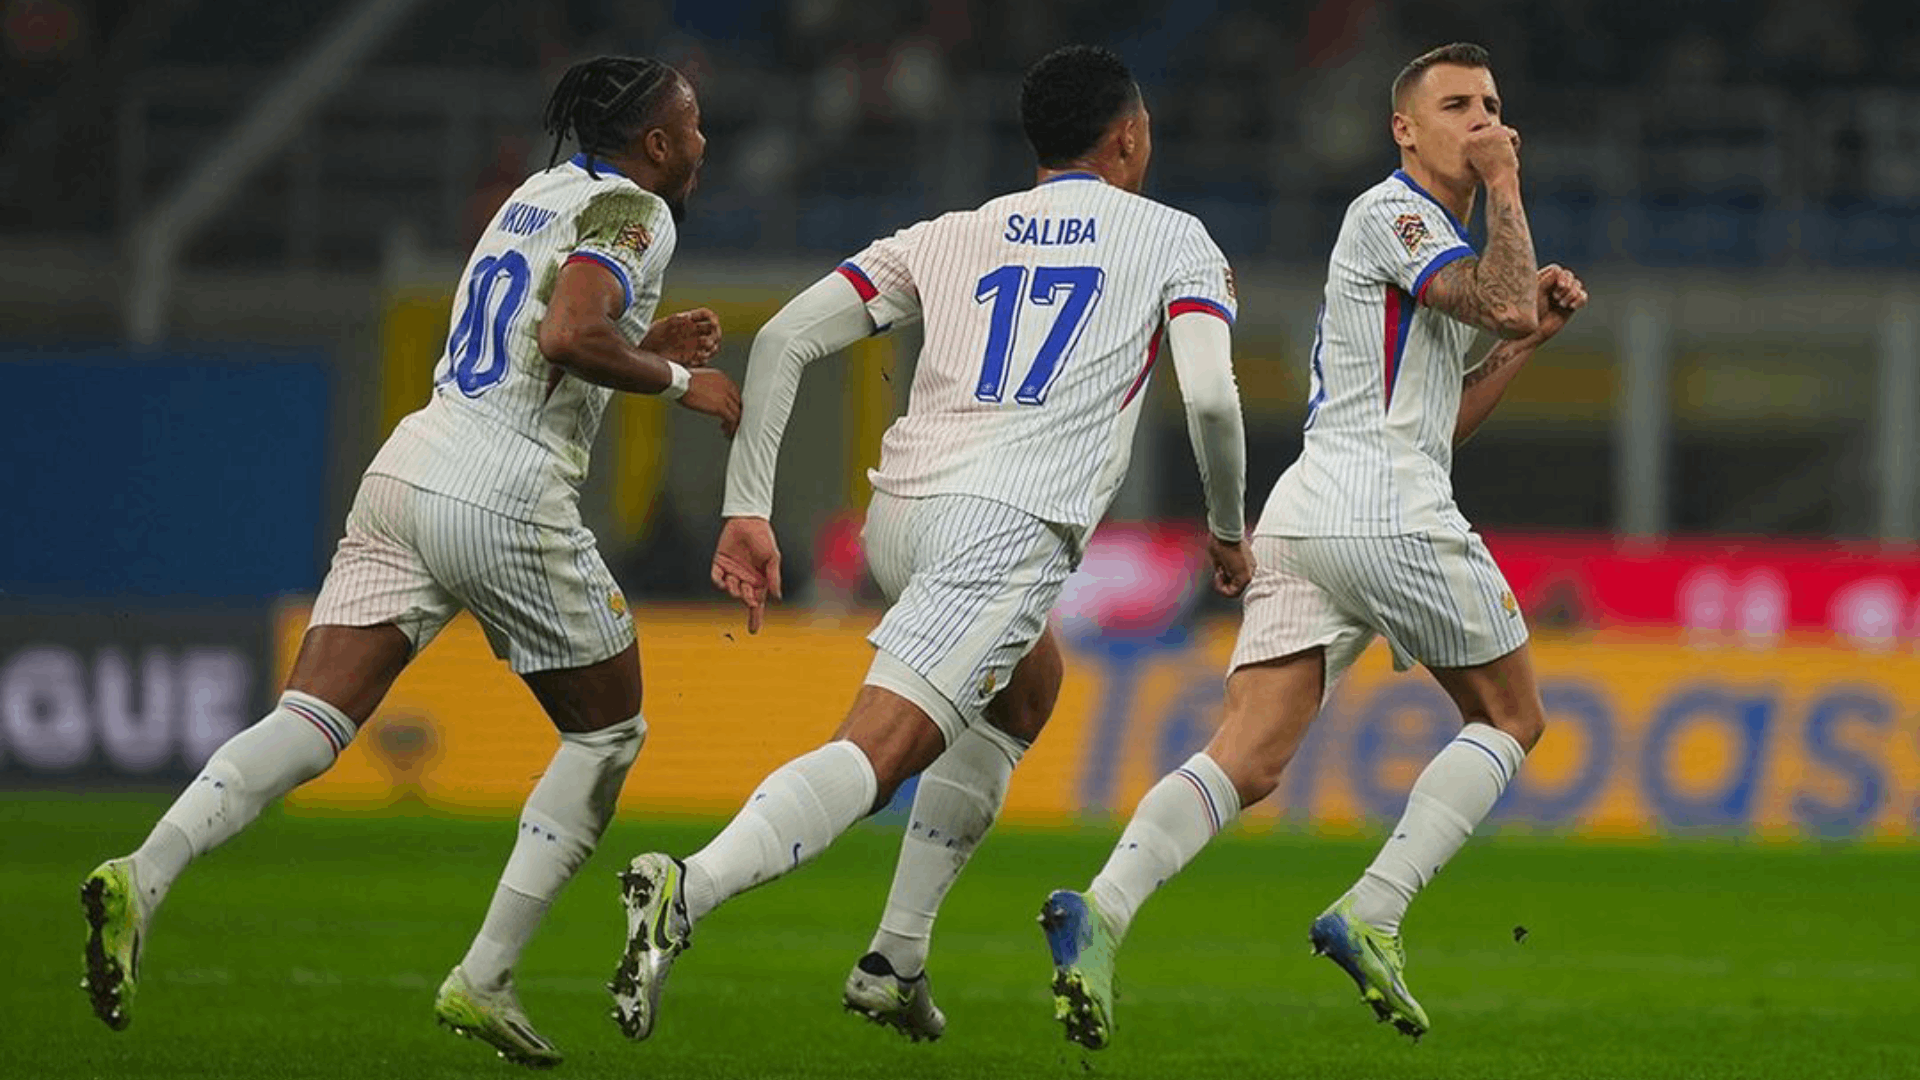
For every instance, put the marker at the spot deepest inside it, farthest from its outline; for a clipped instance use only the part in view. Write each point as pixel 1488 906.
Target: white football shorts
pixel 971 582
pixel 1437 597
pixel 414 558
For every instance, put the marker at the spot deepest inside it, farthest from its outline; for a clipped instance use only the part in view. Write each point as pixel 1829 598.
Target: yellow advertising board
pixel 1645 737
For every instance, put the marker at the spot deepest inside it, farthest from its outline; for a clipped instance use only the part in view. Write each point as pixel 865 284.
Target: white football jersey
pixel 1043 314
pixel 1386 374
pixel 505 429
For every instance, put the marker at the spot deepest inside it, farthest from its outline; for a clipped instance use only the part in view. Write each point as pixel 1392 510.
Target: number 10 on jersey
pixel 1074 289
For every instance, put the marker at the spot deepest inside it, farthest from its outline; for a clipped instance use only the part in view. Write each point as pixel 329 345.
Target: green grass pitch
pixel 310 947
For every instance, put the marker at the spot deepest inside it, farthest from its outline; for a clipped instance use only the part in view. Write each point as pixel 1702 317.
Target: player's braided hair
pixel 604 103
pixel 1069 97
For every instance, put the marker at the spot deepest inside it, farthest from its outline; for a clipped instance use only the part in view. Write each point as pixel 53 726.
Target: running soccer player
pixel 1361 537
pixel 1044 312
pixel 473 503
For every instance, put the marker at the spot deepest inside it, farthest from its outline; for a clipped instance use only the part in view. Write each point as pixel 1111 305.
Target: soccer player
pixel 1361 537
pixel 473 503
pixel 1044 312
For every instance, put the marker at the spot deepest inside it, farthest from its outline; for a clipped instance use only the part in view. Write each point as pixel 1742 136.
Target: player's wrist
pixel 1504 182
pixel 678 380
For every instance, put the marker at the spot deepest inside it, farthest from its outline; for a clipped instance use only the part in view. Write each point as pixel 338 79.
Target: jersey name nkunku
pixel 505 429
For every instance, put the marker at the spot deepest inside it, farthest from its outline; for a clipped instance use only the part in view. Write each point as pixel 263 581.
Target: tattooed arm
pixel 1557 295
pixel 1495 291
pixel 1480 391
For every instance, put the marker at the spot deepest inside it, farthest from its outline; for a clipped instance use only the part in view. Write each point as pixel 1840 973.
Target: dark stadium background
pixel 228 236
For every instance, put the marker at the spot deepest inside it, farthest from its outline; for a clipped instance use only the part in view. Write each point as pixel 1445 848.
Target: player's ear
pixel 659 147
pixel 1130 135
pixel 1402 130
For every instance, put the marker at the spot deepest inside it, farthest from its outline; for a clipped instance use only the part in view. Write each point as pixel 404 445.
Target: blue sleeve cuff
pixel 1420 283
pixel 613 267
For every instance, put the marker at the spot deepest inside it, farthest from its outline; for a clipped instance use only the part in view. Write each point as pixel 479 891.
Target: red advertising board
pixel 1757 590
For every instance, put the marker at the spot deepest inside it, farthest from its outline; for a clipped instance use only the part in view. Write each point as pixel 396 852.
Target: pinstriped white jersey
pixel 505 429
pixel 1043 313
pixel 1386 373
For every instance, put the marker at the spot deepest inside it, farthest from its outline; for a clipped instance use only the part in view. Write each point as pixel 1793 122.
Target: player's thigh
pixel 1286 611
pixel 350 667
pixel 1023 706
pixel 1502 692
pixel 1437 596
pixel 1295 643
pixel 982 580
pixel 379 604
pixel 542 593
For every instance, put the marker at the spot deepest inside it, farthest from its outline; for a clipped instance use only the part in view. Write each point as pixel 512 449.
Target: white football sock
pixel 560 825
pixel 792 816
pixel 1453 794
pixel 294 743
pixel 959 796
pixel 1187 808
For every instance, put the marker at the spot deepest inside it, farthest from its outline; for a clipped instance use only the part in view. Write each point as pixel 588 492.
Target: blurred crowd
pixel 1753 132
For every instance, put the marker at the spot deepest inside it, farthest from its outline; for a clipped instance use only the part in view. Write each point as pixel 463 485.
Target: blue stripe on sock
pixel 328 727
pixel 1206 796
pixel 1499 762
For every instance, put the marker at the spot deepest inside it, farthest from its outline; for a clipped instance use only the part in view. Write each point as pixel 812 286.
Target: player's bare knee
pixel 1525 724
pixel 898 738
pixel 614 745
pixel 1255 774
pixel 1024 706
pixel 1022 709
pixel 1255 783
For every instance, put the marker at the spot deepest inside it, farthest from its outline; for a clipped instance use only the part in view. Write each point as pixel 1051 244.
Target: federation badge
pixel 1411 230
pixel 1232 293
pixel 617 602
pixel 635 237
pixel 1507 601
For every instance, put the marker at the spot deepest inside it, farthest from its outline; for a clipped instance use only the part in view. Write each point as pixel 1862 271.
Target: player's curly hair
pixel 1460 53
pixel 605 103
pixel 1069 97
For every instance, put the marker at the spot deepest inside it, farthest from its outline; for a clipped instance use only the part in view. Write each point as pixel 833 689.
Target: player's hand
pixel 1560 295
pixel 1493 153
pixel 689 338
pixel 746 565
pixel 1232 566
pixel 712 391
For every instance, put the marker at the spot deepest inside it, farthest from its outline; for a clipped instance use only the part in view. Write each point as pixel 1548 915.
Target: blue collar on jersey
pixel 602 165
pixel 1072 176
pixel 1401 175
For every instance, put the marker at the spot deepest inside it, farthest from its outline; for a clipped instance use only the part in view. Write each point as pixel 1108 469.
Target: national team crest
pixel 1232 293
pixel 635 237
pixel 1411 230
pixel 617 603
pixel 1507 601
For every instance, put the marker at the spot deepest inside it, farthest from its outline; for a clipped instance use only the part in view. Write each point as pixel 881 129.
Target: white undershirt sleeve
pixel 1202 345
pixel 827 317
